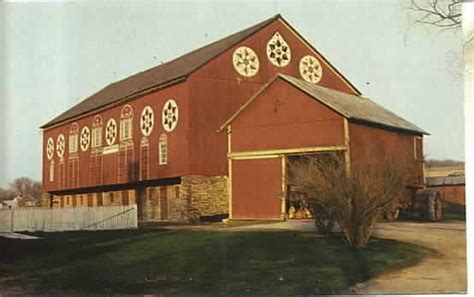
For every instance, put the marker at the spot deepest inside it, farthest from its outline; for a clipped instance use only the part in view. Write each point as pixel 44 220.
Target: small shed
pixel 452 188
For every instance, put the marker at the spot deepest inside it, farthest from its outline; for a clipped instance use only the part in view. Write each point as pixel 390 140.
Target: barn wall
pixel 177 145
pixel 369 144
pixel 257 189
pixel 285 118
pixel 213 102
pixel 217 91
pixel 222 68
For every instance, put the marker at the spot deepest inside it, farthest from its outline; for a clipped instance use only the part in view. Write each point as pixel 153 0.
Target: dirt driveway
pixel 443 272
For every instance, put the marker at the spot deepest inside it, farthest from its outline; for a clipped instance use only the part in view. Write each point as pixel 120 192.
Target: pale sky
pixel 55 54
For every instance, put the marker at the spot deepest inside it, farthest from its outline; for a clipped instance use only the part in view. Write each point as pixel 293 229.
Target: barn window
pixel 60 145
pixel 50 148
pixel 111 131
pixel 97 127
pixel 147 121
pixel 278 51
pixel 73 138
pixel 85 138
pixel 126 119
pixel 245 61
pixel 95 168
pixel 144 158
pixel 51 171
pixel 310 69
pixel 163 149
pixel 73 171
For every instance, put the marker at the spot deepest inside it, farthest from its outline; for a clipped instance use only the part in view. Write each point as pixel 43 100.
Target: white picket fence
pixel 68 219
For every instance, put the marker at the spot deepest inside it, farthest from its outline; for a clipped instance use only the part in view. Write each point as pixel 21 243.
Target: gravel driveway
pixel 443 272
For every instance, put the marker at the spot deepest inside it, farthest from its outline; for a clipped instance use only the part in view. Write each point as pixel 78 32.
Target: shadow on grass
pixel 187 262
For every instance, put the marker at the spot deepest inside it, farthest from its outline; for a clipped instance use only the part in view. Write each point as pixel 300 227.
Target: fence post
pixel 11 221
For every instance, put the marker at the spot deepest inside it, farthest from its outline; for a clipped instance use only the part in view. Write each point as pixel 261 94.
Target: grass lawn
pixel 183 262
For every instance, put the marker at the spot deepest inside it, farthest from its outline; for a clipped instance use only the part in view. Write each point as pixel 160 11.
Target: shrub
pixel 355 199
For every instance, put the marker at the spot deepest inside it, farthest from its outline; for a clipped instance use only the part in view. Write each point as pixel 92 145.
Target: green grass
pixel 195 262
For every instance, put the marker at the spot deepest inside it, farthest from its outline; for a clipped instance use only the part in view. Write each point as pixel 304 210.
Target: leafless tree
pixel 445 14
pixel 6 194
pixel 25 186
pixel 355 200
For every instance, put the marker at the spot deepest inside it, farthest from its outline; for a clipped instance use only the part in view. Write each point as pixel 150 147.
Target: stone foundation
pixel 195 197
pixel 206 195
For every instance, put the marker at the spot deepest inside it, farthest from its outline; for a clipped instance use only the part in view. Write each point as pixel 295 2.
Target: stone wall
pixel 205 195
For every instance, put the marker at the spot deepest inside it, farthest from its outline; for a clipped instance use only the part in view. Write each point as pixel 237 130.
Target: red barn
pixel 157 138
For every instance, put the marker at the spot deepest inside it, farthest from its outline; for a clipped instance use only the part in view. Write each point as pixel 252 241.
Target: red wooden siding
pixel 368 145
pixel 256 189
pixel 222 68
pixel 217 91
pixel 285 118
pixel 97 169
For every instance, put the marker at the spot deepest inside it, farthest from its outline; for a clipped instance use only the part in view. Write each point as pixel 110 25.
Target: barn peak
pixel 169 73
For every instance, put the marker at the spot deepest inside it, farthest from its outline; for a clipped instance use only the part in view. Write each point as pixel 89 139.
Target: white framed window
pixel 126 123
pixel 73 143
pixel 51 171
pixel 97 127
pixel 74 138
pixel 97 137
pixel 163 149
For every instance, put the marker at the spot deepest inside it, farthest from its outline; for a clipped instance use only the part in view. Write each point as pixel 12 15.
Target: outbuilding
pixel 290 117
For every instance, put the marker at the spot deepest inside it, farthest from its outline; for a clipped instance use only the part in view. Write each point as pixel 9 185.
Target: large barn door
pixel 257 188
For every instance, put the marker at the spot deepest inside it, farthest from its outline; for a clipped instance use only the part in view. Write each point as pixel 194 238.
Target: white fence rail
pixel 68 219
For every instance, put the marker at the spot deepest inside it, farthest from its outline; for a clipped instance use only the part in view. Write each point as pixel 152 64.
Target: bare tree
pixel 356 201
pixel 445 14
pixel 25 186
pixel 6 194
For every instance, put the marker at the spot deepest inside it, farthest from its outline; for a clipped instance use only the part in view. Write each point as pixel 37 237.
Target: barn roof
pixel 354 108
pixel 167 74
pixel 162 75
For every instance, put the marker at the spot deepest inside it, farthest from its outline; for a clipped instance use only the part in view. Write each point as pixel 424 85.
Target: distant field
pixel 443 170
pixel 195 262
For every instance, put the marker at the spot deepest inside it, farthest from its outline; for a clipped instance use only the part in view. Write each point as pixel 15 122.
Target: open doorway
pixel 297 198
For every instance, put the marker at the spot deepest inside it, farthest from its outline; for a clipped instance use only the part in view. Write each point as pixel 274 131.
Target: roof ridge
pixel 168 76
pixel 255 26
pixel 380 115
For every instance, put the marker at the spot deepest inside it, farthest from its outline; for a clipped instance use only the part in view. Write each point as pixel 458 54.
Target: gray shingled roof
pixel 354 107
pixel 161 75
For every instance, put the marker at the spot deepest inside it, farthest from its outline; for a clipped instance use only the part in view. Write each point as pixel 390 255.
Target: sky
pixel 55 54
